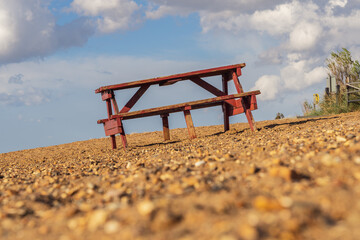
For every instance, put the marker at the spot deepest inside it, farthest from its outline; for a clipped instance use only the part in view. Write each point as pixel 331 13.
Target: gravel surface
pixel 292 179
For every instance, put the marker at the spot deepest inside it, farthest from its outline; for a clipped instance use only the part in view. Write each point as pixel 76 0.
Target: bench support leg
pixel 165 122
pixel 245 104
pixel 113 141
pixel 123 137
pixel 250 119
pixel 225 106
pixel 190 124
pixel 123 140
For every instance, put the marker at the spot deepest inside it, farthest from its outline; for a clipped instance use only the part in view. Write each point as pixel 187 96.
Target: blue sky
pixel 54 54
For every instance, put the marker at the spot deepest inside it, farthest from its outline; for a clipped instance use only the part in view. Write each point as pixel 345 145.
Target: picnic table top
pixel 172 78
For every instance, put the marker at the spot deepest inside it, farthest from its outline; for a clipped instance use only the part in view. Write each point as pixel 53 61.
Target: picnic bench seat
pixel 241 102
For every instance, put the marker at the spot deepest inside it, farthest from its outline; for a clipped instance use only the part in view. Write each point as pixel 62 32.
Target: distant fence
pixel 352 93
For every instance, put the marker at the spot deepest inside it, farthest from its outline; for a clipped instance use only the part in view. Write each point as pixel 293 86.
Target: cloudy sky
pixel 54 54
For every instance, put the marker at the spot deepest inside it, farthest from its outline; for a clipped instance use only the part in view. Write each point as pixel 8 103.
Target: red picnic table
pixel 233 104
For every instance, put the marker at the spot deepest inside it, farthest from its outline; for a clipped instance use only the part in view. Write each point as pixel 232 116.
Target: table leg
pixel 190 124
pixel 109 110
pixel 113 141
pixel 225 106
pixel 244 101
pixel 165 122
pixel 123 137
pixel 250 119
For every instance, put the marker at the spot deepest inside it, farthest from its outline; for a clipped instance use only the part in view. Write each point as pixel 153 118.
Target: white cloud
pixel 111 15
pixel 315 76
pixel 335 3
pixel 297 75
pixel 28 29
pixel 300 74
pixel 6 31
pixel 162 11
pixel 269 85
pixel 277 21
pixel 305 36
pixel 209 6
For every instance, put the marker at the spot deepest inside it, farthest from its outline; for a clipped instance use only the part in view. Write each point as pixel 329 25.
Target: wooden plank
pixel 207 105
pixel 182 76
pixel 113 141
pixel 351 86
pixel 180 107
pixel 123 137
pixel 165 122
pixel 135 98
pixel 189 124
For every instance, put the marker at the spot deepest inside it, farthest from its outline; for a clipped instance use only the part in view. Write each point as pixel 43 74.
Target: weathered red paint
pixel 189 124
pixel 165 122
pixel 178 77
pixel 238 86
pixel 113 126
pixel 231 104
pixel 240 109
pixel 180 107
pixel 135 98
pixel 107 95
pixel 225 107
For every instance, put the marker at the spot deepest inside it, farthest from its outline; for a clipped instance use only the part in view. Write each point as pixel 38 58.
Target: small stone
pixel 165 219
pixel 166 176
pixel 111 227
pixel 282 172
pixel 175 188
pixel 276 161
pixel 330 161
pixel 357 160
pixel 266 204
pixel 322 181
pixel 85 207
pixel 96 219
pixel 191 182
pixel 145 207
pixel 19 204
pixel 286 202
pixel 350 136
pixel 199 163
pixel 253 170
pixel 213 158
pixel 340 139
pixel 248 232
pixel 112 194
pixel 212 166
pixel 128 165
